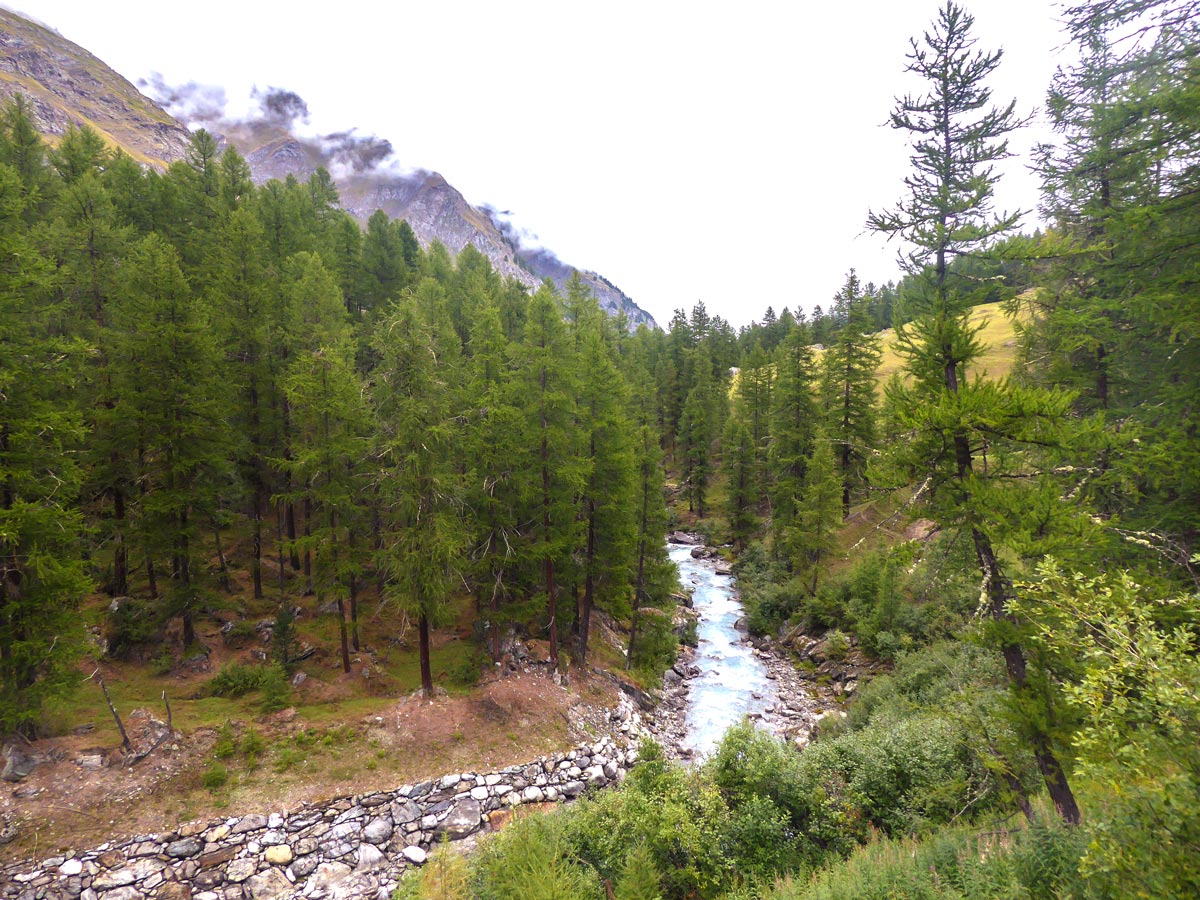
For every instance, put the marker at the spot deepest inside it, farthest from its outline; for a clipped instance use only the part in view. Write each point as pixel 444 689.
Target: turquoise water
pixel 733 682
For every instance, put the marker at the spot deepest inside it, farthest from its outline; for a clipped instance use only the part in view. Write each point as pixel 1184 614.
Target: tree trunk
pixel 426 671
pixel 352 586
pixel 291 534
pixel 342 634
pixel 494 625
pixel 999 589
pixel 221 561
pixel 120 578
pixel 551 611
pixel 256 555
pixel 640 585
pixel 584 624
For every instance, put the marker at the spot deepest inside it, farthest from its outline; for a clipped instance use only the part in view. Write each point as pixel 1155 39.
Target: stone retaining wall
pixel 351 847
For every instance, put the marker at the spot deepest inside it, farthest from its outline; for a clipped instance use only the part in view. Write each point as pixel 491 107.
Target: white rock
pixel 70 867
pixel 479 793
pixel 415 855
pixel 369 857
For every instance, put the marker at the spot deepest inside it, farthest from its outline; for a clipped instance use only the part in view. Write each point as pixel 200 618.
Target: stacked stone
pixel 353 847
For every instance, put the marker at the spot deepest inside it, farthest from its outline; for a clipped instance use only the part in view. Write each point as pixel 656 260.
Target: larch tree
pixel 607 499
pixel 328 440
pixel 42 578
pixel 947 420
pixel 546 389
pixel 848 378
pixel 425 540
pixel 793 417
pixel 167 376
pixel 737 449
pixel 496 438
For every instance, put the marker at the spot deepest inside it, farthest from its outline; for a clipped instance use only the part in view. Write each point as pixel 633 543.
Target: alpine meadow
pixel 302 501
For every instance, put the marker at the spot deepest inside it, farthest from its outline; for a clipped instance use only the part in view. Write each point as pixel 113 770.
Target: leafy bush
pixel 837 644
pixel 676 813
pixel 656 646
pixel 132 623
pixel 465 672
pixel 530 860
pixel 215 777
pixel 237 680
pixel 956 864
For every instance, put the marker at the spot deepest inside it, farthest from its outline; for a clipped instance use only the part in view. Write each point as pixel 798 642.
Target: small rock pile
pixel 352 847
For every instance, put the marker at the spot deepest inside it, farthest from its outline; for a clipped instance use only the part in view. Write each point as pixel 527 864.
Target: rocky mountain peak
pixel 67 84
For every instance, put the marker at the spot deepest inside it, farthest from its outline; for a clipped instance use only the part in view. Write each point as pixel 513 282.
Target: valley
pixel 343 528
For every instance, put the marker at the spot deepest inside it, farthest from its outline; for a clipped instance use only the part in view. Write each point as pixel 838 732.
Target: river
pixel 733 681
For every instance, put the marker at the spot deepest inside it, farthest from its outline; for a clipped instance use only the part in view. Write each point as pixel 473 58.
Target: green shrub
pixel 164 662
pixel 837 645
pixel 465 672
pixel 275 687
pixel 215 777
pixel 227 744
pixel 676 813
pixel 444 877
pixel 530 860
pixel 240 634
pixel 237 680
pixel 252 748
pixel 133 623
pixel 656 646
pixel 691 634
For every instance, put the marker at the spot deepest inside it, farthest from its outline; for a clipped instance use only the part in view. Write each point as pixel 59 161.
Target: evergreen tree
pixel 424 536
pixel 738 462
pixel 1118 317
pixel 848 377
pixel 546 385
pixel 41 573
pixel 326 461
pixel 384 270
pixel 755 384
pixel 497 438
pixel 607 501
pixel 327 439
pixel 793 418
pixel 166 375
pixel 22 148
pixel 698 428
pixel 639 876
pixel 814 534
pixel 242 299
pixel 948 420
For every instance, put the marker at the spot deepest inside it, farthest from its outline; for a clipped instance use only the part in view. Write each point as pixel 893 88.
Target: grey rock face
pixel 462 820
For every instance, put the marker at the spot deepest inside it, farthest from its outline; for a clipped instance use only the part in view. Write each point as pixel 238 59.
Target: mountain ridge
pixel 67 85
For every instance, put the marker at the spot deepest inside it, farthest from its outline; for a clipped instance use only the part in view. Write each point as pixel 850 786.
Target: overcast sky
pixel 686 151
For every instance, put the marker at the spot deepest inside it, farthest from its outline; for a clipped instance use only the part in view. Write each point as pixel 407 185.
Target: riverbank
pixel 792 705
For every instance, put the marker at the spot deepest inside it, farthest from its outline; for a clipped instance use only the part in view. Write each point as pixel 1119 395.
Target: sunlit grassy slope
pixel 998 336
pixel 66 83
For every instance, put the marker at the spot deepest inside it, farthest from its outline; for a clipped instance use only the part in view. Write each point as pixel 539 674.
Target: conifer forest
pixel 222 402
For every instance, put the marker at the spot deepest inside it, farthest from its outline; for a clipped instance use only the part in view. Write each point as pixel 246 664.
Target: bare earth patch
pixel 84 794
